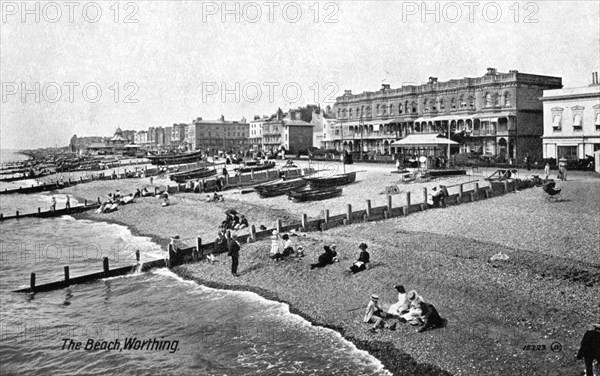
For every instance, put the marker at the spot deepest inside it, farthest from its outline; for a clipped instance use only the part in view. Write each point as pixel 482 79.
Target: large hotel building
pixel 499 113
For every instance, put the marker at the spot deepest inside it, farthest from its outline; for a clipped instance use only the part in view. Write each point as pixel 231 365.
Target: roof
pixel 289 122
pixel 117 137
pixel 427 139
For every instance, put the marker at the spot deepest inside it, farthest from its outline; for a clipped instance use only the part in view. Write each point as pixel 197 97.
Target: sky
pixel 86 68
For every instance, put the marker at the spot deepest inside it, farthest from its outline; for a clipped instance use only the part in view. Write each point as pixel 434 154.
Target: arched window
pixel 391 109
pixel 350 113
pixel 496 99
pixel 358 113
pixel 488 100
pixel 453 104
pixel 426 105
pixel 442 104
pixel 368 111
pixel 384 109
pixel 415 108
pixel 463 102
pixel 378 110
pixel 507 99
pixel 400 109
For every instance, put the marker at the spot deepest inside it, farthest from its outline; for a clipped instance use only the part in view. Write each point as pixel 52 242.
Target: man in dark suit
pixel 233 250
pixel 590 349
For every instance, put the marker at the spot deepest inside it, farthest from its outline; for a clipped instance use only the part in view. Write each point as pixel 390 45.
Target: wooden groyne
pixel 466 192
pixel 53 213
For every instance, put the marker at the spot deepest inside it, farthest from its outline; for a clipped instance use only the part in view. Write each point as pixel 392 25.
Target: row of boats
pixel 307 188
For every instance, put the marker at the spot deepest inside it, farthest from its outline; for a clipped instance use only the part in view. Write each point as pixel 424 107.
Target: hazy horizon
pixel 170 66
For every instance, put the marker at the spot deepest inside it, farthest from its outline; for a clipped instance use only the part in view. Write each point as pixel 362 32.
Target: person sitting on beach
pixel 138 193
pixel 363 261
pixel 217 197
pixel 325 258
pixel 166 201
pixel 145 192
pixel 402 306
pixel 276 246
pixel 430 317
pixel 102 208
pixel 197 186
pixel 117 195
pixel 235 221
pixel 127 199
pixel 374 314
pixel 211 258
pixel 439 196
pixel 288 248
pixel 300 251
pixel 226 224
pixel 242 224
pixel 413 316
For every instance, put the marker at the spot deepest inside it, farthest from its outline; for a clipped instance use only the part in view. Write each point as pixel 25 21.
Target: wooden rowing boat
pixel 331 181
pixel 280 187
pixel 259 167
pixel 314 194
pixel 197 173
pixel 180 158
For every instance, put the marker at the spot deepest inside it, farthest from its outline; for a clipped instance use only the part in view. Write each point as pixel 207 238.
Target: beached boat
pixel 280 187
pixel 259 167
pixel 197 173
pixel 331 181
pixel 179 158
pixel 314 194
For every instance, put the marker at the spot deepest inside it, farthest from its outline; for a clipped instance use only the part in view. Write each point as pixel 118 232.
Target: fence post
pixel 32 282
pixel 425 197
pixel 407 198
pixel 368 208
pixel 105 262
pixel 389 203
pixel 460 190
pixel 349 214
pixel 505 187
pixel 67 274
pixel 137 256
pixel 197 255
pixel 477 191
pixel 304 221
pixel 326 216
pixel 278 225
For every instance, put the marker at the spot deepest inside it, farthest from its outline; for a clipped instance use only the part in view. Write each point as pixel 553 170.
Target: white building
pixel 324 125
pixel 256 132
pixel 572 121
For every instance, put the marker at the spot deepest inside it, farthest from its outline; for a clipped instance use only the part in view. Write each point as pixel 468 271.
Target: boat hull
pixel 332 181
pixel 312 194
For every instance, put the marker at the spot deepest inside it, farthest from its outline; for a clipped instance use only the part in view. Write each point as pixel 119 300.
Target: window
pixel 597 116
pixel 577 116
pixel 442 105
pixel 472 102
pixel 350 113
pixel 507 102
pixel 488 100
pixel 463 102
pixel 414 108
pixel 453 104
pixel 400 109
pixel 567 152
pixel 391 109
pixel 384 108
pixel 426 105
pixel 378 110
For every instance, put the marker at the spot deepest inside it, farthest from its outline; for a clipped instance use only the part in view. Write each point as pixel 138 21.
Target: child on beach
pixel 276 246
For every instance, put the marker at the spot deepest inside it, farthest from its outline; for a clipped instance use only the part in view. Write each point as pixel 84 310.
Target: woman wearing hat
pixel 325 258
pixel 374 314
pixel 174 248
pixel 363 260
pixel 276 245
pixel 402 305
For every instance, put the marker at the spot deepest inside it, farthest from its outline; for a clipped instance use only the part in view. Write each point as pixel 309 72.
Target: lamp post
pixel 361 126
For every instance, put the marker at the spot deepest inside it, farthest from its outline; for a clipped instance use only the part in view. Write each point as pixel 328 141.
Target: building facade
pixel 218 134
pixel 497 114
pixel 572 122
pixel 288 132
pixel 255 141
pixel 325 128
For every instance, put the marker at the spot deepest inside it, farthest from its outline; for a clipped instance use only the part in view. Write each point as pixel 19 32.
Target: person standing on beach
pixel 547 170
pixel 590 349
pixel 53 204
pixel 68 203
pixel 233 251
pixel 276 246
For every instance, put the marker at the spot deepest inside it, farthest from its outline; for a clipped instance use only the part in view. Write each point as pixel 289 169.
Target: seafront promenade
pixel 542 293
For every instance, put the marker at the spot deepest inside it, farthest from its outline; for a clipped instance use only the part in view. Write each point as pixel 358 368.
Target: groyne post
pixel 137 256
pixel 253 233
pixel 304 221
pixel 389 203
pixel 278 225
pixel 155 191
pixel 98 200
pixel 105 264
pixel 505 187
pixel 425 197
pixel 349 214
pixel 368 208
pixel 39 210
pixel 32 282
pixel 460 190
pixel 17 214
pixel 407 198
pixel 326 216
pixel 197 255
pixel 67 274
pixel 476 191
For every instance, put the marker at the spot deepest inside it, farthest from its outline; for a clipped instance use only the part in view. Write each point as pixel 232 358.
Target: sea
pixel 152 323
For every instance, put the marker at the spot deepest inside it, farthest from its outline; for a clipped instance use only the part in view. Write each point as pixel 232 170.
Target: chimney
pixel 222 118
pixel 385 87
pixel 594 78
pixel 347 92
pixel 433 80
pixel 279 114
pixel 198 119
pixel 292 114
pixel 491 72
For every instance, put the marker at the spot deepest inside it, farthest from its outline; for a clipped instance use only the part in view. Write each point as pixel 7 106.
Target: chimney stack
pixel 385 87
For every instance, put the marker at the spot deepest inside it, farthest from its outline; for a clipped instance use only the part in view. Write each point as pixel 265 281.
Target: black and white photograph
pixel 309 187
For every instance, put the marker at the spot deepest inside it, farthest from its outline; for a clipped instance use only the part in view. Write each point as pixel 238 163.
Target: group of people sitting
pixel 233 222
pixel 215 198
pixel 410 308
pixel 116 199
pixel 282 246
pixel 330 256
pixel 438 196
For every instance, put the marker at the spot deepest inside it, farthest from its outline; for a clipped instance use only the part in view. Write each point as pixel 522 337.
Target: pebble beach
pixel 545 293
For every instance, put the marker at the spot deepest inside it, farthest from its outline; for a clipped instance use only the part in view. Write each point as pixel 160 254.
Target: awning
pixel 556 121
pixel 577 120
pixel 430 139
